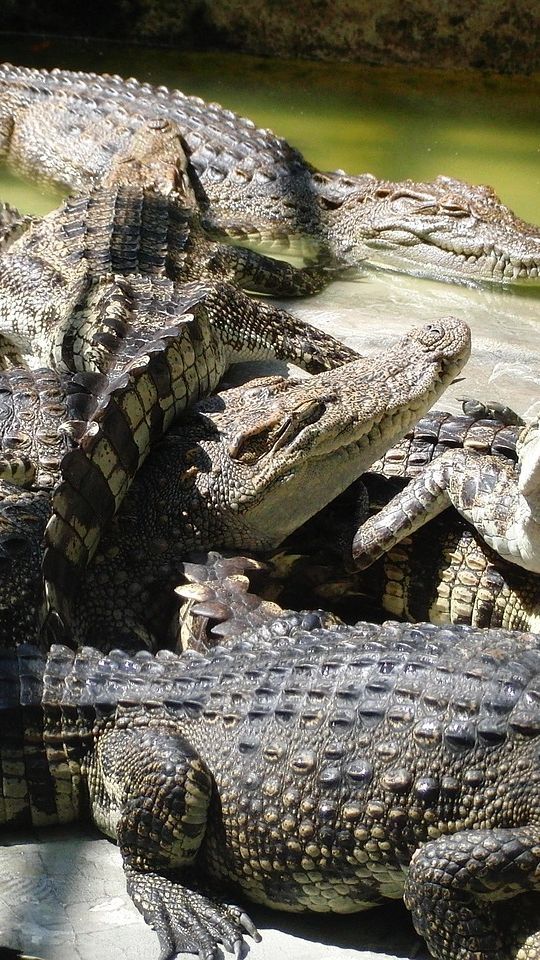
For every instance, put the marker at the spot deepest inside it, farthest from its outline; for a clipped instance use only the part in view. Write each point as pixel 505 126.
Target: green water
pixel 395 123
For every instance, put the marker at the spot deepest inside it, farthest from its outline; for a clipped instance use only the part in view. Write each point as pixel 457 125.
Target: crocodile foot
pixel 454 883
pixel 185 920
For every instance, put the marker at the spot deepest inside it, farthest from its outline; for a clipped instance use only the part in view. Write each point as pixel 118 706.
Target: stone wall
pixel 499 35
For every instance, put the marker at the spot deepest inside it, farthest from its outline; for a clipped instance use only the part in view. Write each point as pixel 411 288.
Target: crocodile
pixel 123 284
pixel 43 413
pixel 64 127
pixel 233 472
pixel 446 573
pixel 501 499
pixel 142 220
pixel 306 766
pixel 488 431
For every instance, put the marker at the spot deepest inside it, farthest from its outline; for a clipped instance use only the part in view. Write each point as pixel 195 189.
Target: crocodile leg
pixel 121 314
pixel 451 881
pixel 155 156
pixel 487 491
pixel 151 791
pixel 262 274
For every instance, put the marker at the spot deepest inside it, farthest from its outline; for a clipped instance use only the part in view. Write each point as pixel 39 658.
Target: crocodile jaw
pixel 308 486
pixel 467 263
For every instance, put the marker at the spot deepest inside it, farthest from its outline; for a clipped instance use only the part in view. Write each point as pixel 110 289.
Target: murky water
pixel 396 123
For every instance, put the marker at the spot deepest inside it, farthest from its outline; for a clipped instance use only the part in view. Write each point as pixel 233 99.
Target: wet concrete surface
pixel 63 897
pixel 370 309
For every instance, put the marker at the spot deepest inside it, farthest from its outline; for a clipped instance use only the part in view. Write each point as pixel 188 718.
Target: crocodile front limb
pixel 500 499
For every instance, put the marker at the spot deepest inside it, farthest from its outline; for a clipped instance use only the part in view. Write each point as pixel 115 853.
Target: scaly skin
pixel 12 224
pixel 64 127
pixel 501 499
pixel 440 431
pixel 176 341
pixel 241 470
pixel 265 458
pixel 444 573
pixel 105 286
pixel 327 768
pixel 141 219
pixel 41 413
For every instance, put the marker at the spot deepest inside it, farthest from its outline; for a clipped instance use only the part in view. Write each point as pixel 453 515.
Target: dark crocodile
pixel 42 414
pixel 308 767
pixel 64 127
pixel 443 573
pixel 440 431
pixel 241 470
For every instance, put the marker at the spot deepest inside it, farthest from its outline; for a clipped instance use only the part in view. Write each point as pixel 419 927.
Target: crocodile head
pixel 284 448
pixel 444 229
pixel 155 157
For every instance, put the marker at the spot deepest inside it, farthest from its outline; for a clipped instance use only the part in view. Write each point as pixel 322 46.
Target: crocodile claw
pixel 186 920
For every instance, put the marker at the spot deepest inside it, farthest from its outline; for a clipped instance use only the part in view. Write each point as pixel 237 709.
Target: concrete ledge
pixel 63 897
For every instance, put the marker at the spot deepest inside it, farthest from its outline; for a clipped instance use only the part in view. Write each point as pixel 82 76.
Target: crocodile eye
pixel 434 332
pixel 328 203
pixel 454 209
pixel 250 446
pixel 274 432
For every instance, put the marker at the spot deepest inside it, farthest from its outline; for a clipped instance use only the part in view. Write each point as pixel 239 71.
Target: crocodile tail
pixel 135 410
